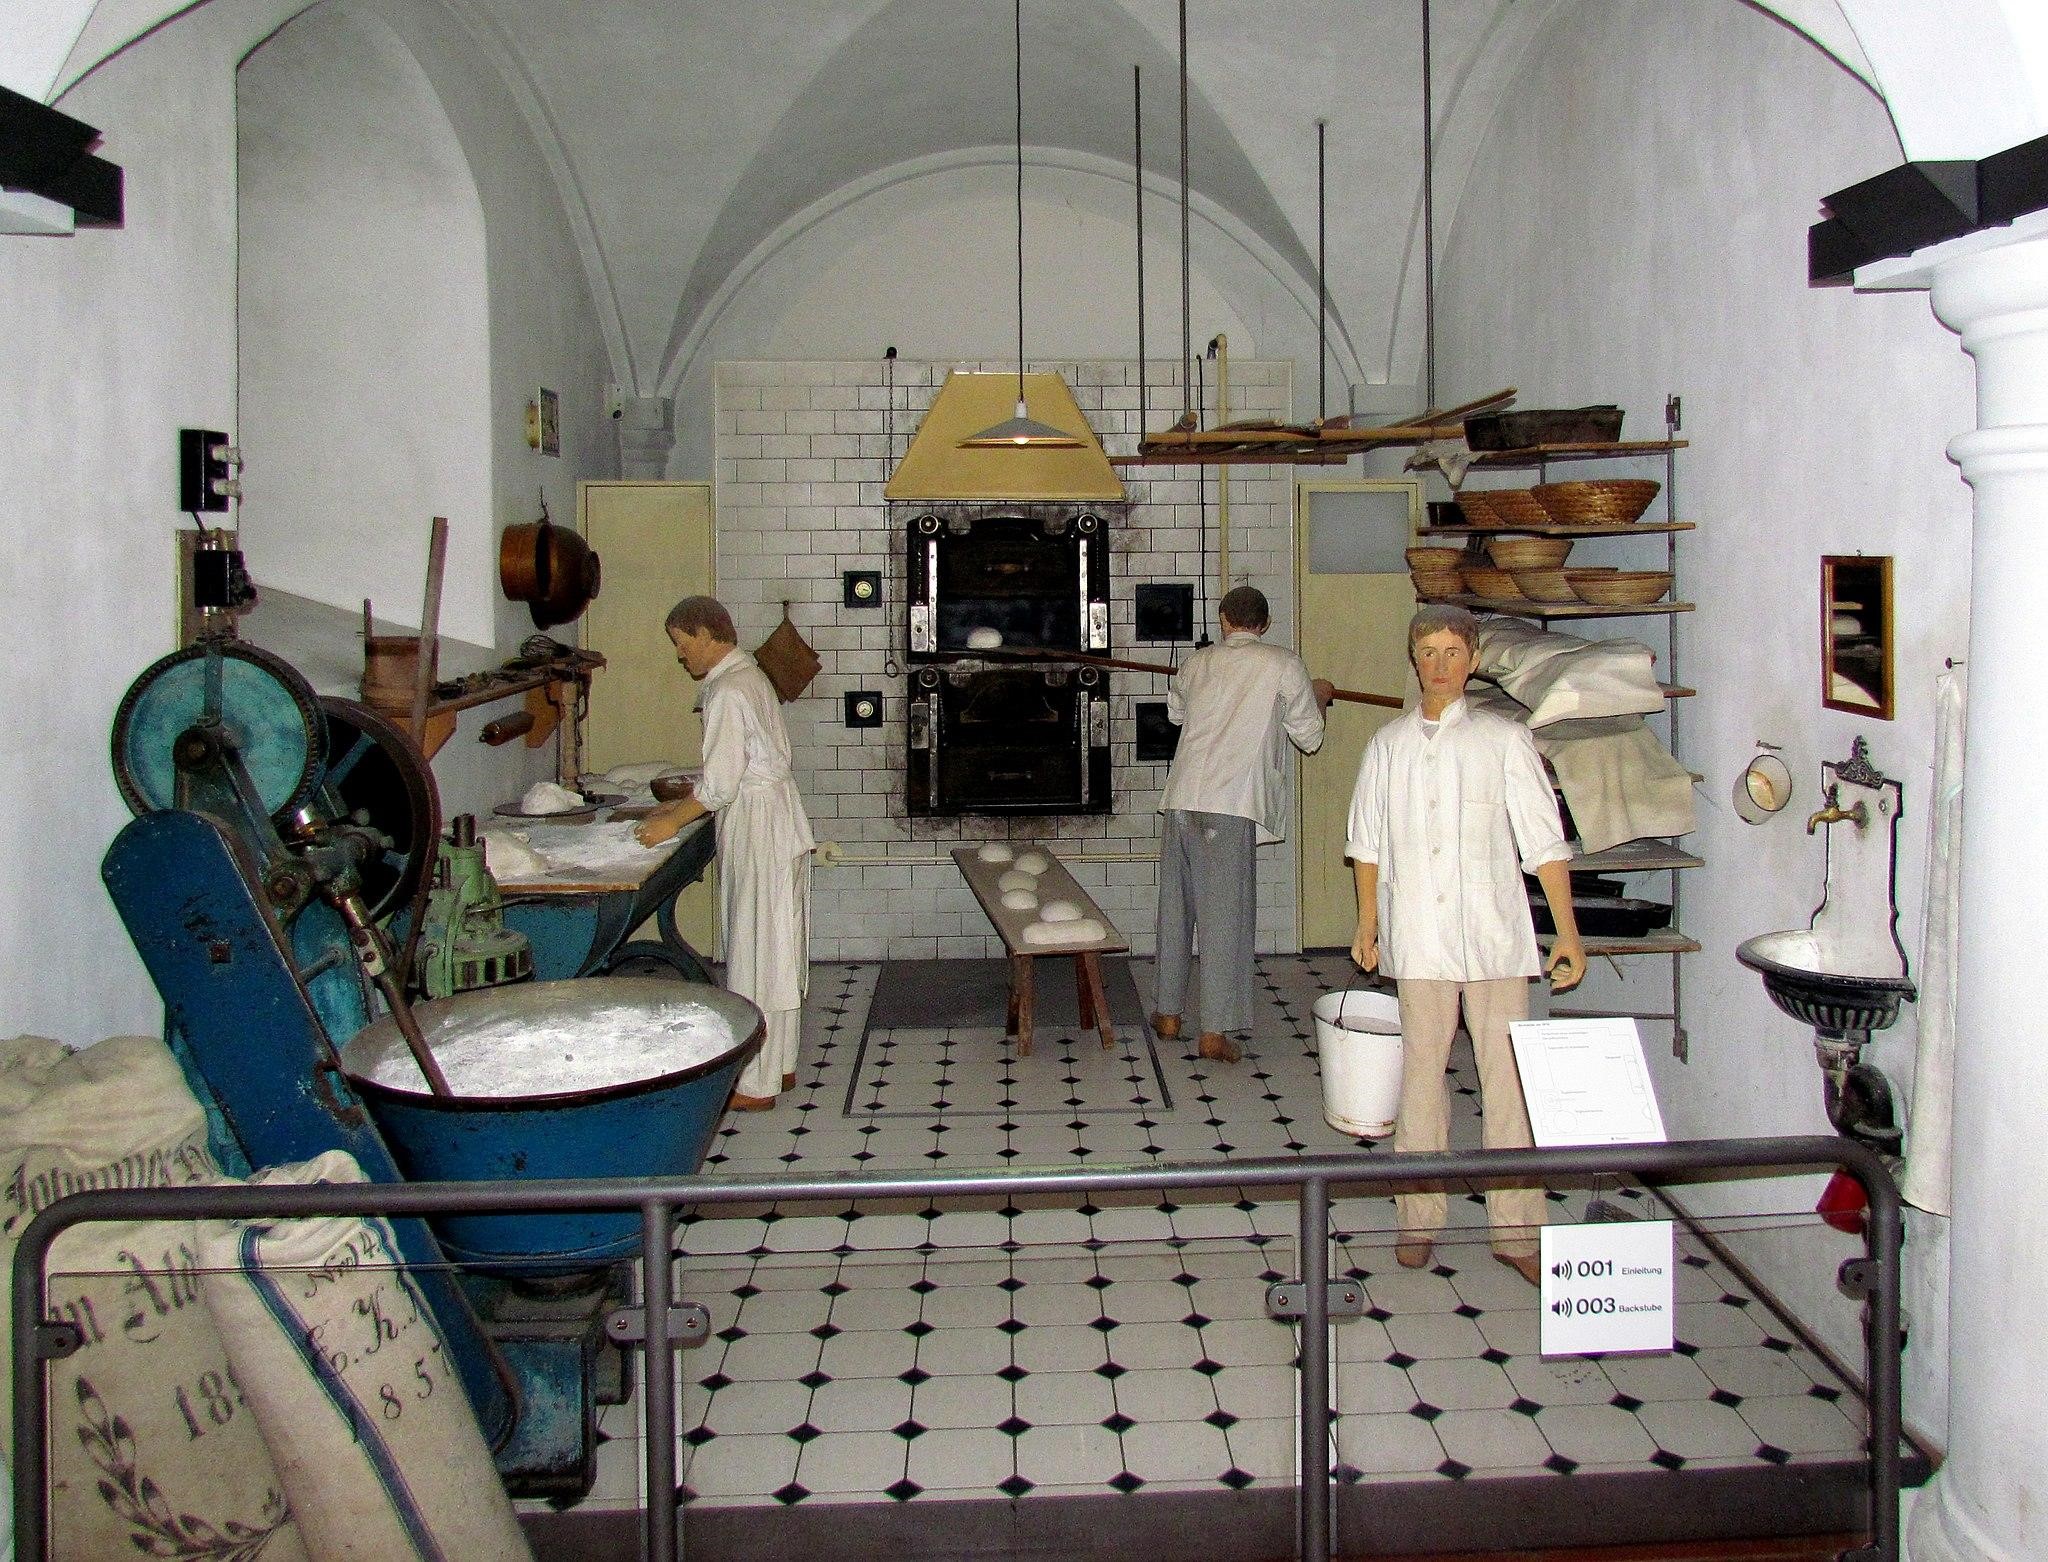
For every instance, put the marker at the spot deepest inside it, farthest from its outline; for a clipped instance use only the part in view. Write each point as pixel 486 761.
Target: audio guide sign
pixel 1606 1287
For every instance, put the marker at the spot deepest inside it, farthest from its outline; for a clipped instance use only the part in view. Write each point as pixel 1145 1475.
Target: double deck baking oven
pixel 998 723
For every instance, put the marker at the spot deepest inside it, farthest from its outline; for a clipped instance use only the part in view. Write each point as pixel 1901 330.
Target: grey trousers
pixel 1207 881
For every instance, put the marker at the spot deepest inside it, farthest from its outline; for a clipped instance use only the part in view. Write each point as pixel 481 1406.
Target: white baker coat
pixel 762 832
pixel 1233 702
pixel 1454 819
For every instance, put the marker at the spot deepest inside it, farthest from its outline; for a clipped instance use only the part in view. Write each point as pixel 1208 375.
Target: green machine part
pixel 464 943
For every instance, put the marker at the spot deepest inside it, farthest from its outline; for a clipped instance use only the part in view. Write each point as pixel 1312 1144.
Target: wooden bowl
pixel 1528 552
pixel 1620 588
pixel 673 787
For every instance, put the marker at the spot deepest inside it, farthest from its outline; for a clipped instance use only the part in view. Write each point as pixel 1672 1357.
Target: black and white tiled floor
pixel 896 1352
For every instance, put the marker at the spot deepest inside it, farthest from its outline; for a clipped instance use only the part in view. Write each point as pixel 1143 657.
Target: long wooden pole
pixel 1349 696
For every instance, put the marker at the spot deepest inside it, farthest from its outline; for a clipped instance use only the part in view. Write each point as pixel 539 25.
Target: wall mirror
pixel 1856 635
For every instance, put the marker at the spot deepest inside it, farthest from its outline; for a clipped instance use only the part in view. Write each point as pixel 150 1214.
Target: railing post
pixel 658 1378
pixel 1314 1243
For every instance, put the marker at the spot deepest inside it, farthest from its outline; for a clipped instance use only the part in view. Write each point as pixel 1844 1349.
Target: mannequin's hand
pixel 1325 691
pixel 1365 947
pixel 661 825
pixel 1566 965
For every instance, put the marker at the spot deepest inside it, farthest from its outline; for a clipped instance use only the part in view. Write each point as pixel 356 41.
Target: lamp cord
pixel 1017 10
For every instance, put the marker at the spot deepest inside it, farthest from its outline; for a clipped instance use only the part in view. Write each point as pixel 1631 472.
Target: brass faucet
pixel 1835 813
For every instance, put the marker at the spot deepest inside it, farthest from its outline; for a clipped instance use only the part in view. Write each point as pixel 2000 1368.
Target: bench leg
pixel 1020 1002
pixel 1094 1001
pixel 1084 992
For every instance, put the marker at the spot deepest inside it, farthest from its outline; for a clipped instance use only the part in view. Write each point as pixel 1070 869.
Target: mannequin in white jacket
pixel 764 839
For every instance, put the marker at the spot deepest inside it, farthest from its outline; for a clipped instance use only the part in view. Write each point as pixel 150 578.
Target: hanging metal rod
pixel 1138 195
pixel 1187 330
pixel 1428 218
pixel 1322 283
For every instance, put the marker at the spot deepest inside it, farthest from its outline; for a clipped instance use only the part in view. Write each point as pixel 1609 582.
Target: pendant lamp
pixel 1021 430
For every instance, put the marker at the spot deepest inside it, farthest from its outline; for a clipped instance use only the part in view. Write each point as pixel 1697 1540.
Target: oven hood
pixel 935 467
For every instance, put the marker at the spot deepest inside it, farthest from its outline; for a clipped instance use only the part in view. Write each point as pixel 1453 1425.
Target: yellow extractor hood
pixel 936 467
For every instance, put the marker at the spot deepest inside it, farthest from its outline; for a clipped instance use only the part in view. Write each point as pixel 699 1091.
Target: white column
pixel 1989 1500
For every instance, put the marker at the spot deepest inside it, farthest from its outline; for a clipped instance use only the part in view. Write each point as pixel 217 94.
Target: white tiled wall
pixel 802 451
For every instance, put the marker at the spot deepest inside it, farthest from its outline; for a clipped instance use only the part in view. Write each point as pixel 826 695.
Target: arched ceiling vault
pixel 685 135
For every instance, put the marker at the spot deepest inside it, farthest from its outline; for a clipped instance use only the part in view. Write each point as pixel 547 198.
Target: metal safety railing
pixel 38 1338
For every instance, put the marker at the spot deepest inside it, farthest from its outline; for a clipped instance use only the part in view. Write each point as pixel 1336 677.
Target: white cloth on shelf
pixel 1446 810
pixel 1929 1126
pixel 1237 705
pixel 1560 677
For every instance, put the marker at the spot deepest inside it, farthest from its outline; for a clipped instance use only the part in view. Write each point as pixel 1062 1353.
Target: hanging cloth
pixel 1925 1184
pixel 788 660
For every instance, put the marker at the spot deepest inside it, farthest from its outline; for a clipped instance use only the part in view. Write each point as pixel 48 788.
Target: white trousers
pixel 777 1057
pixel 1429 1019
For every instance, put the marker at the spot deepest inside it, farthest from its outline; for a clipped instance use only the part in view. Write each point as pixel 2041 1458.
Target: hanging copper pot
pixel 550 568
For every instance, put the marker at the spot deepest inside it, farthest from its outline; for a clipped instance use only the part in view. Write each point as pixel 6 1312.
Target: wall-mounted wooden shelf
pixel 551 691
pixel 1522 607
pixel 1543 455
pixel 1628 529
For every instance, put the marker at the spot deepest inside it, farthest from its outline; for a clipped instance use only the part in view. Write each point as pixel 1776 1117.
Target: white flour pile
pixel 543 1055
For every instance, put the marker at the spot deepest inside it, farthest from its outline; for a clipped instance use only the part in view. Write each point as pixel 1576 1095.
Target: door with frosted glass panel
pixel 1355 603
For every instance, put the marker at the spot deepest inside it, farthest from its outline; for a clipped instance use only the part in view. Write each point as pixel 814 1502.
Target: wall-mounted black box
pixel 1165 612
pixel 1158 738
pixel 863 707
pixel 862 587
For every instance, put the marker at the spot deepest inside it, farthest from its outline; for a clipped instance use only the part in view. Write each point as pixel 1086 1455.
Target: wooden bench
pixel 1053 884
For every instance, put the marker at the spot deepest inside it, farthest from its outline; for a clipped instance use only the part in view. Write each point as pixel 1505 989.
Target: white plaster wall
pixel 926 263
pixel 365 341
pixel 117 338
pixel 803 451
pixel 1638 227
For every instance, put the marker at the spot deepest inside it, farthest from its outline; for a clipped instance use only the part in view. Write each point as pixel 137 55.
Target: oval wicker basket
pixel 1435 560
pixel 1436 585
pixel 1509 508
pixel 1477 509
pixel 1528 552
pixel 1603 501
pixel 1488 580
pixel 1544 585
pixel 1620 588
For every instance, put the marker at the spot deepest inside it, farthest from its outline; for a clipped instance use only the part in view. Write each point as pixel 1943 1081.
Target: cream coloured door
pixel 656 542
pixel 1355 601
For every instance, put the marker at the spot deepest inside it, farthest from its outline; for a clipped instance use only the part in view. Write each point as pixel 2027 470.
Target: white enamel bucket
pixel 1358 1039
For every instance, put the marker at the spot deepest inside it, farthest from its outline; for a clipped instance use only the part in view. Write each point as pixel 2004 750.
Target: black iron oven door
pixel 1022 582
pixel 1008 741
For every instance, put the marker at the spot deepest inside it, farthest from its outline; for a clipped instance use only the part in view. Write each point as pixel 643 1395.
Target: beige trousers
pixel 1429 1019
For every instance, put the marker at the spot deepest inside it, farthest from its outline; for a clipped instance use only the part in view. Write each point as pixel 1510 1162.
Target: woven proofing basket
pixel 1486 580
pixel 1528 552
pixel 1436 585
pixel 1620 588
pixel 1604 501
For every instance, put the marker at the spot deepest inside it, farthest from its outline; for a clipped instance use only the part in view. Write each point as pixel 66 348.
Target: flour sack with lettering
pixel 351 1381
pixel 153 1450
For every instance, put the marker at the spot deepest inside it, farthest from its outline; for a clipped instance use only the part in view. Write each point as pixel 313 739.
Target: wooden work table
pixel 1053 884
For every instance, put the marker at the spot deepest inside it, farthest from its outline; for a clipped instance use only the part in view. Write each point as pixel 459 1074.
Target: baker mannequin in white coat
pixel 764 839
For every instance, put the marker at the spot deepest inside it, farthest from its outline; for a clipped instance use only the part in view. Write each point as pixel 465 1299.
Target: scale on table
pixel 275 833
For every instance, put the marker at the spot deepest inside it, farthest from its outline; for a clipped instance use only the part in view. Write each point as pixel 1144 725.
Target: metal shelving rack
pixel 1633 856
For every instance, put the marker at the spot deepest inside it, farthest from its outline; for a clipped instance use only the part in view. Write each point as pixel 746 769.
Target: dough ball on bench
pixel 1015 880
pixel 1033 862
pixel 994 851
pixel 1020 900
pixel 1060 911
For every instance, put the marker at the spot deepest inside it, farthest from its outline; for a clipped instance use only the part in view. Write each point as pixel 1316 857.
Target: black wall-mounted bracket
pixel 43 152
pixel 1917 204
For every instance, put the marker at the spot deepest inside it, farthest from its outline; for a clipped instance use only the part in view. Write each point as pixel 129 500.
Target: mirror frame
pixel 1856 587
